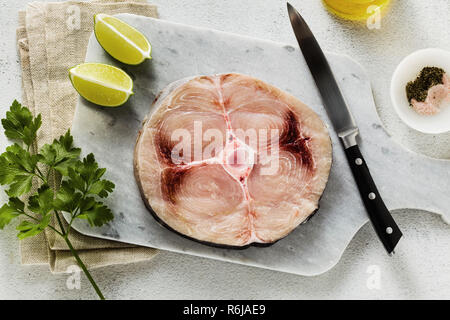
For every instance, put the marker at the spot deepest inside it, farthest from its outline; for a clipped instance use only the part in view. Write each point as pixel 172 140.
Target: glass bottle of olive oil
pixel 354 9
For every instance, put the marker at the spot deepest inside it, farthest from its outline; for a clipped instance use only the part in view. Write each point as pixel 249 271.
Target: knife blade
pixel 345 126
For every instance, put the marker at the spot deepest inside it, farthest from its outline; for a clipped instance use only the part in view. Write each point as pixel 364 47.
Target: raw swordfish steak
pixel 229 160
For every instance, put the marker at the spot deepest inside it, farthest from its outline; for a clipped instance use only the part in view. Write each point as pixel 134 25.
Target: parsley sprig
pixel 79 195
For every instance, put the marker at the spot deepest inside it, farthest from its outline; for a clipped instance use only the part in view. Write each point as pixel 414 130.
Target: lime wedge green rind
pixel 101 84
pixel 120 40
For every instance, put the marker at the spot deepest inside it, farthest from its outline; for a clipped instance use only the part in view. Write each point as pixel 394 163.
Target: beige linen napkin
pixel 51 38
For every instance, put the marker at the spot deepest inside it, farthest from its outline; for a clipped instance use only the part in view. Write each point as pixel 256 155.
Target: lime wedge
pixel 101 84
pixel 120 40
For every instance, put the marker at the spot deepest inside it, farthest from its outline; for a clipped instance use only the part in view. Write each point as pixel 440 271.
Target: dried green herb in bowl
pixel 428 77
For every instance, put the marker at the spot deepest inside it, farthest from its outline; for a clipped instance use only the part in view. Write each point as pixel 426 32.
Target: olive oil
pixel 355 9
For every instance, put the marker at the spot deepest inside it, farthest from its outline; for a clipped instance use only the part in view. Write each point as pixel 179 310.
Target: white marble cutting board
pixel 404 179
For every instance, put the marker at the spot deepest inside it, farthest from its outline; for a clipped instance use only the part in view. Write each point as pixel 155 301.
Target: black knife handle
pixel 384 225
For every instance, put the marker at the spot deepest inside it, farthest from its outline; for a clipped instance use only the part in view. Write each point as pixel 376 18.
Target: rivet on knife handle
pixel 384 225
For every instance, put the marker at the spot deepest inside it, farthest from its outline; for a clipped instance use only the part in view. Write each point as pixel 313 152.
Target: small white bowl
pixel 408 70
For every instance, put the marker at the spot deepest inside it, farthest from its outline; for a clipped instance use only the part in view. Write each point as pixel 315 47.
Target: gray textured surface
pixel 181 51
pixel 418 270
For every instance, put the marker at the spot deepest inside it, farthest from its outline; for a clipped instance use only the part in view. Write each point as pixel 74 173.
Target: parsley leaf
pixel 88 169
pixel 61 154
pixel 42 201
pixel 17 204
pixel 75 179
pixel 17 157
pixel 96 213
pixel 31 228
pixel 17 168
pixel 101 188
pixel 20 186
pixel 86 177
pixel 7 213
pixel 67 199
pixel 20 125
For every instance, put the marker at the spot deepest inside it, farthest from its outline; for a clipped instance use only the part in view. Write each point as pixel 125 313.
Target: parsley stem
pixel 56 231
pixel 48 174
pixel 33 218
pixel 40 175
pixel 86 272
pixel 77 257
pixel 65 235
pixel 60 223
pixel 30 216
pixel 70 224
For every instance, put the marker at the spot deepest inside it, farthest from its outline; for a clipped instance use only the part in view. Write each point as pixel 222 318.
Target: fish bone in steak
pixel 222 202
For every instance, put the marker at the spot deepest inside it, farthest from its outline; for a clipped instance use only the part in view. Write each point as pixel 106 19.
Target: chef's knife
pixel 347 130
